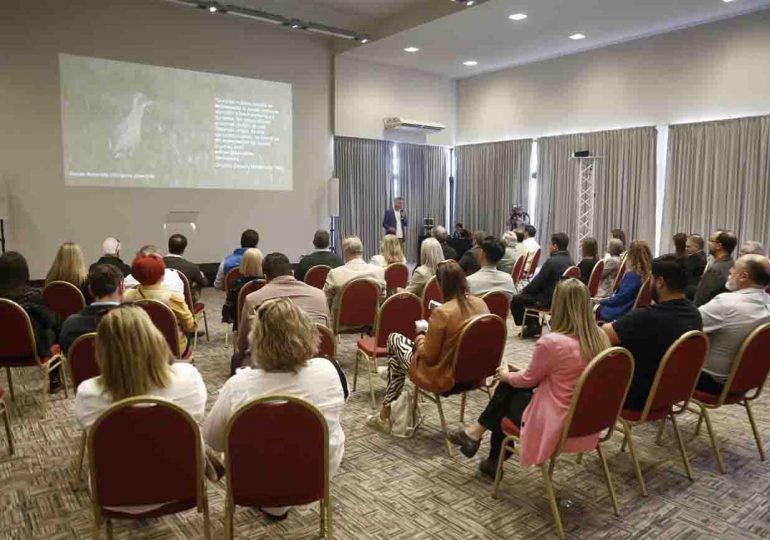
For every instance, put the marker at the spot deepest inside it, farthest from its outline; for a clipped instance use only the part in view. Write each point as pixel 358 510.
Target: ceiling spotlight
pixel 577 36
pixel 212 8
pixel 517 16
pixel 470 63
pixel 412 49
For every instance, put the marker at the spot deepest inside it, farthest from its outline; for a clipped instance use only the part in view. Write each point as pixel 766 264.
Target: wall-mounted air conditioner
pixel 413 125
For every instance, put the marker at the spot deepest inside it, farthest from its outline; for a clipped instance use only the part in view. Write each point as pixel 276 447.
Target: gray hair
pixel 751 247
pixel 615 246
pixel 509 238
pixel 110 246
pixel 431 254
pixel 440 233
pixel 352 246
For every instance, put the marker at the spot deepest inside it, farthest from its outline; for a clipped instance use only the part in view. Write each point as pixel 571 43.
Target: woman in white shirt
pixel 284 343
pixel 431 255
pixel 391 252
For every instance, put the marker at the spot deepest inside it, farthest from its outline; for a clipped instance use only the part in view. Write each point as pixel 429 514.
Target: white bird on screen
pixel 128 133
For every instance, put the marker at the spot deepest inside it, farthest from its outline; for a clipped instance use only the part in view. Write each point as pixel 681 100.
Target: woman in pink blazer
pixel 537 399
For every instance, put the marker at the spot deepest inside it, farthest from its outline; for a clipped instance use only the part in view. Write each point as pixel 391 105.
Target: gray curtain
pixel 364 168
pixel 718 176
pixel 491 178
pixel 423 174
pixel 624 184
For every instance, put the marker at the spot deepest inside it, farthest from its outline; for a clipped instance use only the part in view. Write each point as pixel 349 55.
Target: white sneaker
pixel 374 421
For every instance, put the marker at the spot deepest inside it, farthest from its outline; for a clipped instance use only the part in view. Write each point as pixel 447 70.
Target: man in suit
pixel 177 243
pixel 695 263
pixel 321 255
pixel 111 256
pixel 540 289
pixel 105 283
pixel 394 221
pixel 721 246
pixel 355 267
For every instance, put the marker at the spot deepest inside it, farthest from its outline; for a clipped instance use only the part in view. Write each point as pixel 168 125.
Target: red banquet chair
pixel 431 292
pixel 165 321
pixel 499 303
pixel 596 402
pixel 327 345
pixel 145 451
pixel 669 395
pixel 644 296
pixel 534 260
pixel 287 465
pixel 396 276
pixel 316 275
pixel 572 272
pixel 621 273
pixel 479 352
pixel 196 308
pixel 544 314
pixel 397 315
pixel 63 299
pixel 595 279
pixel 6 421
pixel 232 275
pixel 744 384
pixel 247 289
pixel 517 272
pixel 356 307
pixel 81 366
pixel 18 347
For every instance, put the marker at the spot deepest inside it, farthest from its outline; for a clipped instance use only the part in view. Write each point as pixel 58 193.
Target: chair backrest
pixel 164 320
pixel 677 373
pixel 17 339
pixel 480 348
pixel 397 315
pixel 599 394
pixel 327 346
pixel 644 296
pixel 232 275
pixel 499 303
pixel 63 298
pixel 431 292
pixel 188 299
pixel 396 276
pixel 316 275
pixel 247 289
pixel 571 272
pixel 518 268
pixel 287 464
pixel 357 305
pixel 620 274
pixel 144 451
pixel 81 359
pixel 535 260
pixel 751 365
pixel 595 279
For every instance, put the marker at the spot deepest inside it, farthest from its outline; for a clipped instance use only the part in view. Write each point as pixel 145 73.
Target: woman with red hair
pixel 148 269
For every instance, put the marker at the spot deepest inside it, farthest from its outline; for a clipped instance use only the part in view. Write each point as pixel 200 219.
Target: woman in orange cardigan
pixel 428 359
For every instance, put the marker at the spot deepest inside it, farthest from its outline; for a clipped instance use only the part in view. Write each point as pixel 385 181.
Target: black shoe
pixel 273 517
pixel 488 468
pixel 468 446
pixel 531 330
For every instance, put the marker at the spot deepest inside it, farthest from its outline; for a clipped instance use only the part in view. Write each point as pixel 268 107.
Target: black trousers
pixel 509 402
pixel 707 383
pixel 519 303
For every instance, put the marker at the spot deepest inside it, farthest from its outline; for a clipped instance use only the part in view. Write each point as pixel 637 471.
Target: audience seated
pixel 249 239
pixel 430 257
pixel 391 252
pixel 111 255
pixel 459 228
pixel 149 270
pixel 649 331
pixel 177 243
pixel 428 360
pixel 250 269
pixel 69 265
pixel 620 234
pixel 612 261
pixel 440 234
pixel 721 246
pixel 322 255
pixel 589 252
pixel 751 247
pixel 557 362
pixel 680 245
pixel 355 267
pixel 105 285
pixel 171 279
pixel 730 317
pixel 513 249
pixel 695 263
pixel 637 272
pixel 469 262
pixel 489 278
pixel 283 361
pixel 540 290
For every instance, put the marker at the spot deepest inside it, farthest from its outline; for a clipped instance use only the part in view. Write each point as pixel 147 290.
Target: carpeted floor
pixel 392 489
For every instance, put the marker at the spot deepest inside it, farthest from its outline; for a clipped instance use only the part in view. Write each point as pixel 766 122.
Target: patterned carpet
pixel 393 489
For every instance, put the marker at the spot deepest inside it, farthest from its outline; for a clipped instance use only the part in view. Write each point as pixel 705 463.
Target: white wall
pixel 714 71
pixel 44 212
pixel 365 93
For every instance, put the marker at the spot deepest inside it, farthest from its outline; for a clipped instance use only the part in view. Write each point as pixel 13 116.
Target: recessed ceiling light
pixel 577 36
pixel 727 1
pixel 470 63
pixel 412 49
pixel 517 16
pixel 212 9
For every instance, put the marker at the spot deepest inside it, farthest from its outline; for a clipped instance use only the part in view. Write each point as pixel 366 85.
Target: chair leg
pixel 10 382
pixel 228 519
pixel 79 462
pixel 659 437
pixel 206 516
pixel 355 371
pixel 552 499
pixel 714 444
pixel 757 439
pixel 44 404
pixel 227 338
pixel 632 451
pixel 499 470
pixel 579 459
pixel 700 421
pixel 206 325
pixel 369 361
pixel 608 479
pixel 444 430
pixel 329 518
pixel 109 529
pixel 322 517
pixel 7 422
pixel 682 448
pixel 462 407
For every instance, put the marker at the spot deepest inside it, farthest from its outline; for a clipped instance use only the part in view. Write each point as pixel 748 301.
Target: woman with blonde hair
pixel 638 270
pixel 250 269
pixel 431 255
pixel 391 252
pixel 283 361
pixel 69 265
pixel 558 360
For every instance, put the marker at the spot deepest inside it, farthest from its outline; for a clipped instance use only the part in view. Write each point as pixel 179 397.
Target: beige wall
pixel 714 71
pixel 44 212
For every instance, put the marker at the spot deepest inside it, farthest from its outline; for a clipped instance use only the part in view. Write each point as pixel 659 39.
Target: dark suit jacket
pixel 695 264
pixel 542 286
pixel 713 281
pixel 191 270
pixel 81 323
pixel 114 261
pixel 326 258
pixel 389 221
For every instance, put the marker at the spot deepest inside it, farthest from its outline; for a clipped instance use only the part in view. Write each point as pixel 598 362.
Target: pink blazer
pixel 555 368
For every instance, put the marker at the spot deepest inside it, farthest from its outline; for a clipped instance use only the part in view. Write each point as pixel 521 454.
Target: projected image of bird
pixel 127 135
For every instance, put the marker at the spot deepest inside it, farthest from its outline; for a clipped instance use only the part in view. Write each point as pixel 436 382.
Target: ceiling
pixel 485 34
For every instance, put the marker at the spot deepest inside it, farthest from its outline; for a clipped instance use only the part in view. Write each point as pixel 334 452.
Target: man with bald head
pixel 731 316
